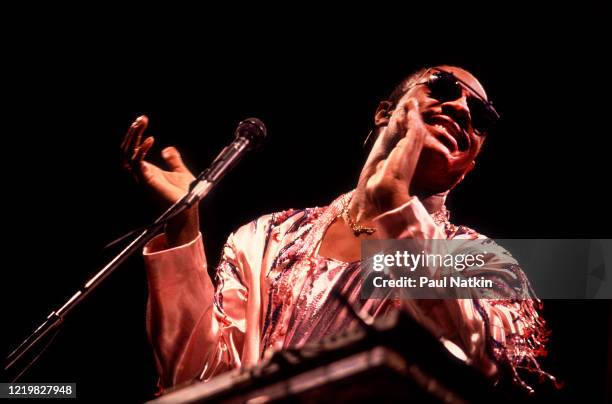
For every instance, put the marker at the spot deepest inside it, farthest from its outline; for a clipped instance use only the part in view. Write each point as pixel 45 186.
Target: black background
pixel 73 85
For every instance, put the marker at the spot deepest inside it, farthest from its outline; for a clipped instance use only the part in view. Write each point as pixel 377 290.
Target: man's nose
pixel 458 110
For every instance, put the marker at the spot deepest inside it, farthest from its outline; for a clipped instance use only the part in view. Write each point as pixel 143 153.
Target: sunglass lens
pixel 484 116
pixel 444 87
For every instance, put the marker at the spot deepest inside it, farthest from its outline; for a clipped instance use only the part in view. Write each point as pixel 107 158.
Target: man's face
pixel 451 144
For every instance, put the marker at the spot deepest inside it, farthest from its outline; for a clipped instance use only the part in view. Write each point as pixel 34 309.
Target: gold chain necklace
pixel 440 217
pixel 357 229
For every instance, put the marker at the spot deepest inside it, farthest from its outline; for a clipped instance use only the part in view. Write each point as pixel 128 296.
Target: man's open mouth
pixel 449 133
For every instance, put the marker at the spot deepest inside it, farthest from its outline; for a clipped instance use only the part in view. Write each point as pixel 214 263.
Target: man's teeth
pixel 441 127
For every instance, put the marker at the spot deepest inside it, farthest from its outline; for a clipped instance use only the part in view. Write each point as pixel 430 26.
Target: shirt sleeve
pixel 194 329
pixel 491 332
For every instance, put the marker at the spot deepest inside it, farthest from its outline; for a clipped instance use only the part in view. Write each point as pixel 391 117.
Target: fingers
pixel 134 146
pixel 144 149
pixel 127 138
pixel 174 160
pixel 134 151
pixel 398 164
pixel 129 141
pixel 397 128
pixel 414 116
pixel 135 130
pixel 402 158
pixel 411 105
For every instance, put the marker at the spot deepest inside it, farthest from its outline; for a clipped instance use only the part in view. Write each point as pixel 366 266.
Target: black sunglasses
pixel 445 86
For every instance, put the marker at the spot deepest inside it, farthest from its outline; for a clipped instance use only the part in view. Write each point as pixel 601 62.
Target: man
pixel 276 275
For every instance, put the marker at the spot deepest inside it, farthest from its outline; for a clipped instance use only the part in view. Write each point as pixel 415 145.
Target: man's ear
pixel 383 113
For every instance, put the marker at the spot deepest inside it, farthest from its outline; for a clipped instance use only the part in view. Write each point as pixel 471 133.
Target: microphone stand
pixel 199 188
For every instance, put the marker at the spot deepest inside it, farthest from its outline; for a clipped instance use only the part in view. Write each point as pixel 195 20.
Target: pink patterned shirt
pixel 273 290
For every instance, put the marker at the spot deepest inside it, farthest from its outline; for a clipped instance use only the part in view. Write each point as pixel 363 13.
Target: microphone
pixel 249 135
